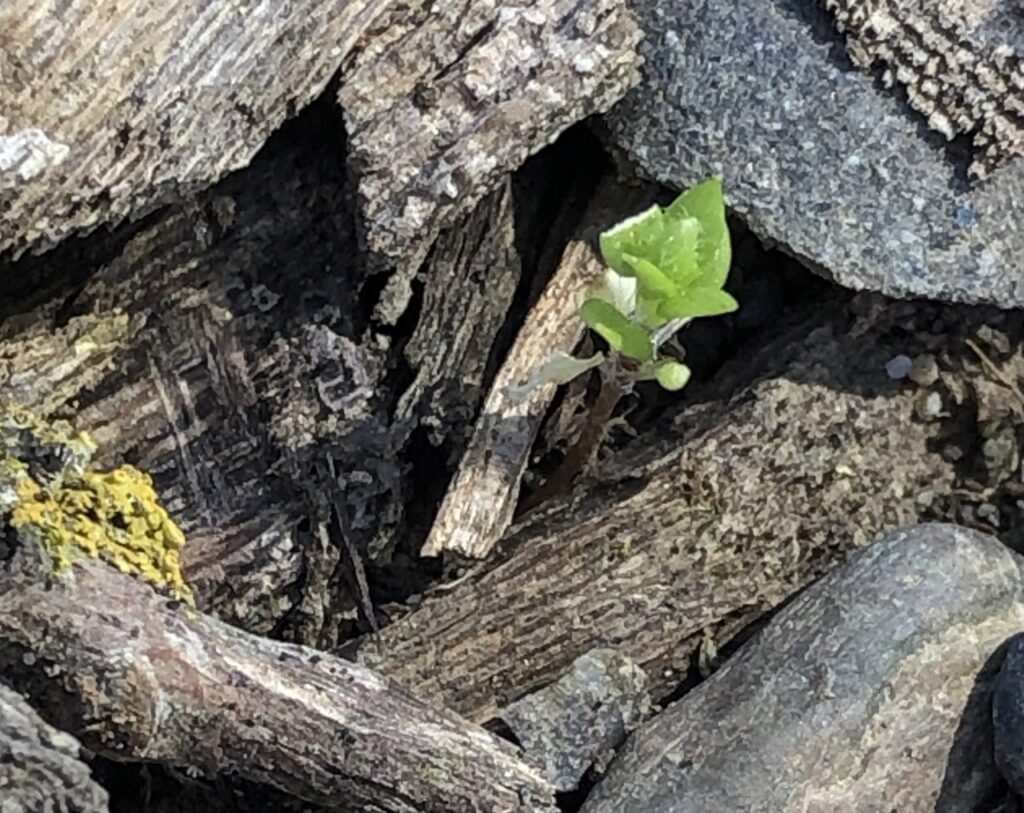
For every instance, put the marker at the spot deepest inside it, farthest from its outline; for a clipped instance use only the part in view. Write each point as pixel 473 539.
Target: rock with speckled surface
pixel 816 155
pixel 870 692
pixel 579 720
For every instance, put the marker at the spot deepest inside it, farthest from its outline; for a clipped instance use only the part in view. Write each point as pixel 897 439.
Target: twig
pixel 590 438
pixel 995 371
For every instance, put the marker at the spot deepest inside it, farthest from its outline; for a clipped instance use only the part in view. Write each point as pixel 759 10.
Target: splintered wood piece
pixel 481 500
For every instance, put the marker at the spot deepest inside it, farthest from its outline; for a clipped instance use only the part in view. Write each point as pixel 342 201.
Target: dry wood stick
pixel 136 677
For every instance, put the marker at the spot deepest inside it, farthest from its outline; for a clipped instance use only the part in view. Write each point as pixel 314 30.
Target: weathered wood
pixel 39 766
pixel 468 282
pixel 479 504
pixel 448 97
pixel 138 677
pixel 211 350
pixel 697 530
pixel 960 62
pixel 222 345
pixel 113 107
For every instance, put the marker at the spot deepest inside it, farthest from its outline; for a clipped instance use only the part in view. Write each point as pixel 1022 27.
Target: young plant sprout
pixel 666 267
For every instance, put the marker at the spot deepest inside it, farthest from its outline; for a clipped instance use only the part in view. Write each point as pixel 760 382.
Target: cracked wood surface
pixel 450 96
pixel 695 532
pixel 112 107
pixel 210 346
pixel 960 62
pixel 220 347
pixel 140 678
pixel 40 767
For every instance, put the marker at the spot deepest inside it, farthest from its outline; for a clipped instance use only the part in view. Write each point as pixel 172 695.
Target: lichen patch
pixel 48 496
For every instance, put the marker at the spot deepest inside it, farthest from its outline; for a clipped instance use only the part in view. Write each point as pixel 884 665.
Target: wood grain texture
pixel 222 344
pixel 39 765
pixel 469 280
pixel 478 506
pixel 141 678
pixel 481 499
pixel 449 96
pixel 110 108
pixel 960 61
pixel 213 346
pixel 696 531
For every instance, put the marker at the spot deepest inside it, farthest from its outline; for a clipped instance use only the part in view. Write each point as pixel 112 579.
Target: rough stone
pixel 870 692
pixel 816 156
pixel 580 719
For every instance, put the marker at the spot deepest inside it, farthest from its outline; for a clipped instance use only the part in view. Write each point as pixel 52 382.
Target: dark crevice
pixel 475 39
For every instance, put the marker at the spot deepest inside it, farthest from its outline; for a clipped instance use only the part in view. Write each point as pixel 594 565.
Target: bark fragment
pixel 447 98
pixel 39 766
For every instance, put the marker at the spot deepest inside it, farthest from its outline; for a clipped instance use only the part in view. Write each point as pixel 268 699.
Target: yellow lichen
pixel 114 516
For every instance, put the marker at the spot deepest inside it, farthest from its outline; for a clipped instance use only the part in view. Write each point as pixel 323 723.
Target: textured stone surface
pixel 870 692
pixel 816 156
pixel 580 719
pixel 39 765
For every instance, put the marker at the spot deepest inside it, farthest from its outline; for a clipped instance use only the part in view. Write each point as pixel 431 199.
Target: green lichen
pixel 48 495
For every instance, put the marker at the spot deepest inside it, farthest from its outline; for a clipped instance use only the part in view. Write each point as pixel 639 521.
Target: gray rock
pixel 869 693
pixel 580 719
pixel 1008 715
pixel 816 156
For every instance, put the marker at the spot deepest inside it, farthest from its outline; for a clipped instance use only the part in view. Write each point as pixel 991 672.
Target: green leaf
pixel 638 235
pixel 678 251
pixel 698 302
pixel 653 282
pixel 671 374
pixel 629 339
pixel 706 203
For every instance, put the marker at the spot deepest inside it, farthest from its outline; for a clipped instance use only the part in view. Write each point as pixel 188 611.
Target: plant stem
pixel 581 452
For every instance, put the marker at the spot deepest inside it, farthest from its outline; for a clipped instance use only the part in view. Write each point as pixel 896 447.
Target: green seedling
pixel 666 267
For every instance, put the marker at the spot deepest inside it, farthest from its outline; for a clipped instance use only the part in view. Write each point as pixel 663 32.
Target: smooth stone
pixel 580 719
pixel 870 692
